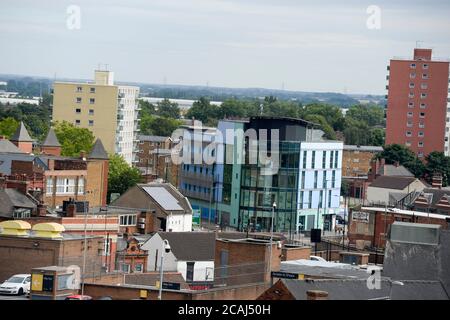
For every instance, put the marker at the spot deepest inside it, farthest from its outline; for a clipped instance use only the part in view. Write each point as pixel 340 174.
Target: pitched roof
pixel 152 138
pixel 392 170
pixel 437 194
pixel 21 134
pixel 98 151
pixel 8 146
pixel 392 182
pixel 51 140
pixel 191 246
pixel 10 198
pixel 356 289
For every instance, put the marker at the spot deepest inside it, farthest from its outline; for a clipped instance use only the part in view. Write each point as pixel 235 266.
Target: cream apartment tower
pixel 110 111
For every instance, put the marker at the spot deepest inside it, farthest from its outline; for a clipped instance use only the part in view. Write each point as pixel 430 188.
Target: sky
pixel 322 46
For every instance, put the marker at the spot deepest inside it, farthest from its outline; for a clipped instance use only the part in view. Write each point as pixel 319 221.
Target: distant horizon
pixel 327 46
pixel 185 85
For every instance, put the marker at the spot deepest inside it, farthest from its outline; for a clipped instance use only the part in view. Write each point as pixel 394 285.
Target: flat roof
pixel 408 212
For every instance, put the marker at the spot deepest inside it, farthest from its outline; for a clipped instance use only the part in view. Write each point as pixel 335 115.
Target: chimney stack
pixel 71 210
pixel 316 295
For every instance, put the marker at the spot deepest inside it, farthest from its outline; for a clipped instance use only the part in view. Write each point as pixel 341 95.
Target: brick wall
pixel 295 253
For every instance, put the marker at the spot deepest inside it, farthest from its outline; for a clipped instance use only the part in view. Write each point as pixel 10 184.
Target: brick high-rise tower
pixel 417 110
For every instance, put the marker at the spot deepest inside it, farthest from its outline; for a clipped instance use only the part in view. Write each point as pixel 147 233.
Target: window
pixel 421 134
pixel 315 179
pixel 78 99
pixel 303 180
pixel 408 143
pixel 412 75
pixel 324 180
pixel 410 104
pixel 425 76
pixel 190 271
pixel 336 158
pixel 125 268
pixel 313 160
pixel 411 85
pixel 49 185
pixel 422 115
pixel 324 157
pixel 410 114
pixel 301 199
pixel 329 198
pixel 65 185
pixel 420 154
pixel 409 124
pixel 413 65
pixel 423 106
pixel 333 179
pixel 425 66
pixel 423 95
pixel 77 121
pixel 408 133
pixel 411 95
pixel 128 219
pixel 424 86
pixel 91 122
pixel 91 112
pixel 310 200
pixel 420 144
pixel 321 198
pixel 92 90
pixel 79 89
pixel 80 185
pixel 421 125
pixel 304 159
pixel 138 267
pixel 92 100
pixel 331 159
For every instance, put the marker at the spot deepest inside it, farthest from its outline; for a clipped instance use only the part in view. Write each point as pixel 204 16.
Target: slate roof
pixel 152 138
pixel 392 182
pixel 191 246
pixel 21 134
pixel 98 151
pixel 8 146
pixel 51 140
pixel 392 170
pixel 11 198
pixel 357 289
pixel 363 148
pixel 437 194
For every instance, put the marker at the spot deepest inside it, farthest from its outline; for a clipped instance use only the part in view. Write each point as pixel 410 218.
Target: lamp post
pixel 274 205
pixel 166 249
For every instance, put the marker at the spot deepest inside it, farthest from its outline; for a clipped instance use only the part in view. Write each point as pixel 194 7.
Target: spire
pixel 51 140
pixel 21 134
pixel 98 151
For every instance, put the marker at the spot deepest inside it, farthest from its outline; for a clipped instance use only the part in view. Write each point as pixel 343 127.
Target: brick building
pixel 356 160
pixel 417 109
pixel 369 226
pixel 44 245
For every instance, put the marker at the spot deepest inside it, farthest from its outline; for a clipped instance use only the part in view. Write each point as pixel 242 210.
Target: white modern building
pixel 191 254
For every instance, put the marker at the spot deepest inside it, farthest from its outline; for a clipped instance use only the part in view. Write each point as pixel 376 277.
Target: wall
pixel 356 162
pixel 295 253
pixel 202 269
pixel 179 222
pixel 154 247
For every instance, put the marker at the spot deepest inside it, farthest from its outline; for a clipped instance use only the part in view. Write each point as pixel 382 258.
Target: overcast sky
pixel 307 45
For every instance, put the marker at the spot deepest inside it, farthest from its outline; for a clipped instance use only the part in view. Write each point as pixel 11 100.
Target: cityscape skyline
pixel 186 42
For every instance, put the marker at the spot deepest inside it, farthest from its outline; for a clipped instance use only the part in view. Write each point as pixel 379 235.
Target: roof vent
pixel 14 228
pixel 50 230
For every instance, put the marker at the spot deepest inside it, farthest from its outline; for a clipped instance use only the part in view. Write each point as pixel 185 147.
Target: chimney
pixel 83 155
pixel 41 210
pixel 316 295
pixel 71 210
pixel 436 181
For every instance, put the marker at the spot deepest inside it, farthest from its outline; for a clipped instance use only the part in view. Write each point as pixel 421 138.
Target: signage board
pixel 360 216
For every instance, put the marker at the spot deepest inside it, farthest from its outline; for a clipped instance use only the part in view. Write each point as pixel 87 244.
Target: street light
pixel 166 249
pixel 274 205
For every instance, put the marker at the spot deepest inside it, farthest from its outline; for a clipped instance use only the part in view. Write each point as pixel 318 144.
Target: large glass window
pixel 324 159
pixel 65 185
pixel 313 160
pixel 316 173
pixel 331 159
pixel 304 159
pixel 49 185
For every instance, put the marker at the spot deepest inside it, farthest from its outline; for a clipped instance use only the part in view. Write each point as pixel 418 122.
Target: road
pixel 12 297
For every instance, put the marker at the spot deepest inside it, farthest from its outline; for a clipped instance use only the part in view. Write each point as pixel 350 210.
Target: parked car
pixel 18 284
pixel 78 297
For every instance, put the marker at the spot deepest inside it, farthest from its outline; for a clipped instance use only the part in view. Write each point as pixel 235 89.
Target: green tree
pixel 397 153
pixel 158 126
pixel 437 162
pixel 371 114
pixel 73 139
pixel 204 111
pixel 8 126
pixel 121 176
pixel 168 109
pixel 325 126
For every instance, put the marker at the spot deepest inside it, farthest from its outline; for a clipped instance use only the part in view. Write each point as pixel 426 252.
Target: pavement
pixel 12 297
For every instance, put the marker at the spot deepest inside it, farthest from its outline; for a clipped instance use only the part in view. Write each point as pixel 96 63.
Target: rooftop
pixel 392 182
